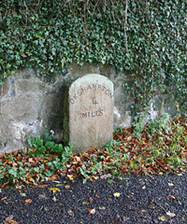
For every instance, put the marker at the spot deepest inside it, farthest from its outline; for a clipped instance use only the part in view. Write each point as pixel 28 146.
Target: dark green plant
pixel 28 170
pixel 160 124
pixel 44 145
pixel 144 39
pixel 139 124
pixel 156 126
pixel 38 144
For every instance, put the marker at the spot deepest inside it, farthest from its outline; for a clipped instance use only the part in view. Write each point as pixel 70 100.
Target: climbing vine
pixel 146 40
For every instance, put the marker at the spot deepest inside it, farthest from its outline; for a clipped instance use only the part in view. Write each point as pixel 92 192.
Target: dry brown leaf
pixel 53 177
pixel 31 160
pixel 67 186
pixel 28 201
pixel 171 197
pixel 42 186
pixel 92 211
pixel 10 220
pixel 70 177
pixel 77 159
pixel 4 199
pixel 54 189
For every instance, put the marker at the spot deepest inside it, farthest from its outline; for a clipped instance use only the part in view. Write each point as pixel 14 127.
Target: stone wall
pixel 31 105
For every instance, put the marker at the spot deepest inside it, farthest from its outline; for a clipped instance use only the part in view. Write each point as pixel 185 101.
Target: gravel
pixel 132 200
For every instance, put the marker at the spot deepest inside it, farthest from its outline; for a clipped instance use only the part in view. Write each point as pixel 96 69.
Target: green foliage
pixel 158 125
pixel 38 165
pixel 93 168
pixel 148 43
pixel 67 154
pixel 116 155
pixel 111 146
pixel 52 157
pixel 161 150
pixel 43 146
pixel 139 124
pixel 171 152
pixel 165 152
pixel 161 154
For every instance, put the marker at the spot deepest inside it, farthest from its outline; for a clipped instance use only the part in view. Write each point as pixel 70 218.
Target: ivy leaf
pixel 13 172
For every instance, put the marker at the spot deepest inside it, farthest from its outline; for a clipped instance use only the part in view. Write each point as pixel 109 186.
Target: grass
pixel 159 148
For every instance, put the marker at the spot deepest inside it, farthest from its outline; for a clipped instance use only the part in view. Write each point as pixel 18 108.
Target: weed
pixel 111 146
pixel 139 124
pixel 84 172
pixel 160 124
pixel 156 126
pixel 118 130
pixel 43 146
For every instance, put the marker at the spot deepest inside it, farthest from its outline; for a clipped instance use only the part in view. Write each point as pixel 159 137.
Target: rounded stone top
pixel 92 78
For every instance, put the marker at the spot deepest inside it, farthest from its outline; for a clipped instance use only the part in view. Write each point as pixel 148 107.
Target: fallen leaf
pixel 10 220
pixel 102 208
pixel 105 176
pixel 42 196
pixel 42 185
pixel 54 189
pixel 54 199
pixel 70 212
pixel 53 177
pixel 30 179
pixel 163 218
pixel 28 201
pixel 117 194
pixel 59 185
pixel 70 177
pixel 85 203
pixel 23 194
pixel 171 197
pixel 67 186
pixel 92 211
pixel 171 184
pixel 95 177
pixel 170 214
pixel 4 199
pixel 31 160
pixel 179 174
pixel 77 158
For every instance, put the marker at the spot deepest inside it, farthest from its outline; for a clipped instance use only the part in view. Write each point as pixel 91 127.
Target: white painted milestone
pixel 91 105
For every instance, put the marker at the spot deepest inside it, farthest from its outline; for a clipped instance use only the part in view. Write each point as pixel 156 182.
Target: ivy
pixel 146 40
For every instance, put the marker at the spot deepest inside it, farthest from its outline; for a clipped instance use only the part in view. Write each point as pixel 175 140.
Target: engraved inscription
pixel 94 100
pixel 92 114
pixel 94 86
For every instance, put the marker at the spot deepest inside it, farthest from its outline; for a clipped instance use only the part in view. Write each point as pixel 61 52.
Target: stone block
pixel 90 112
